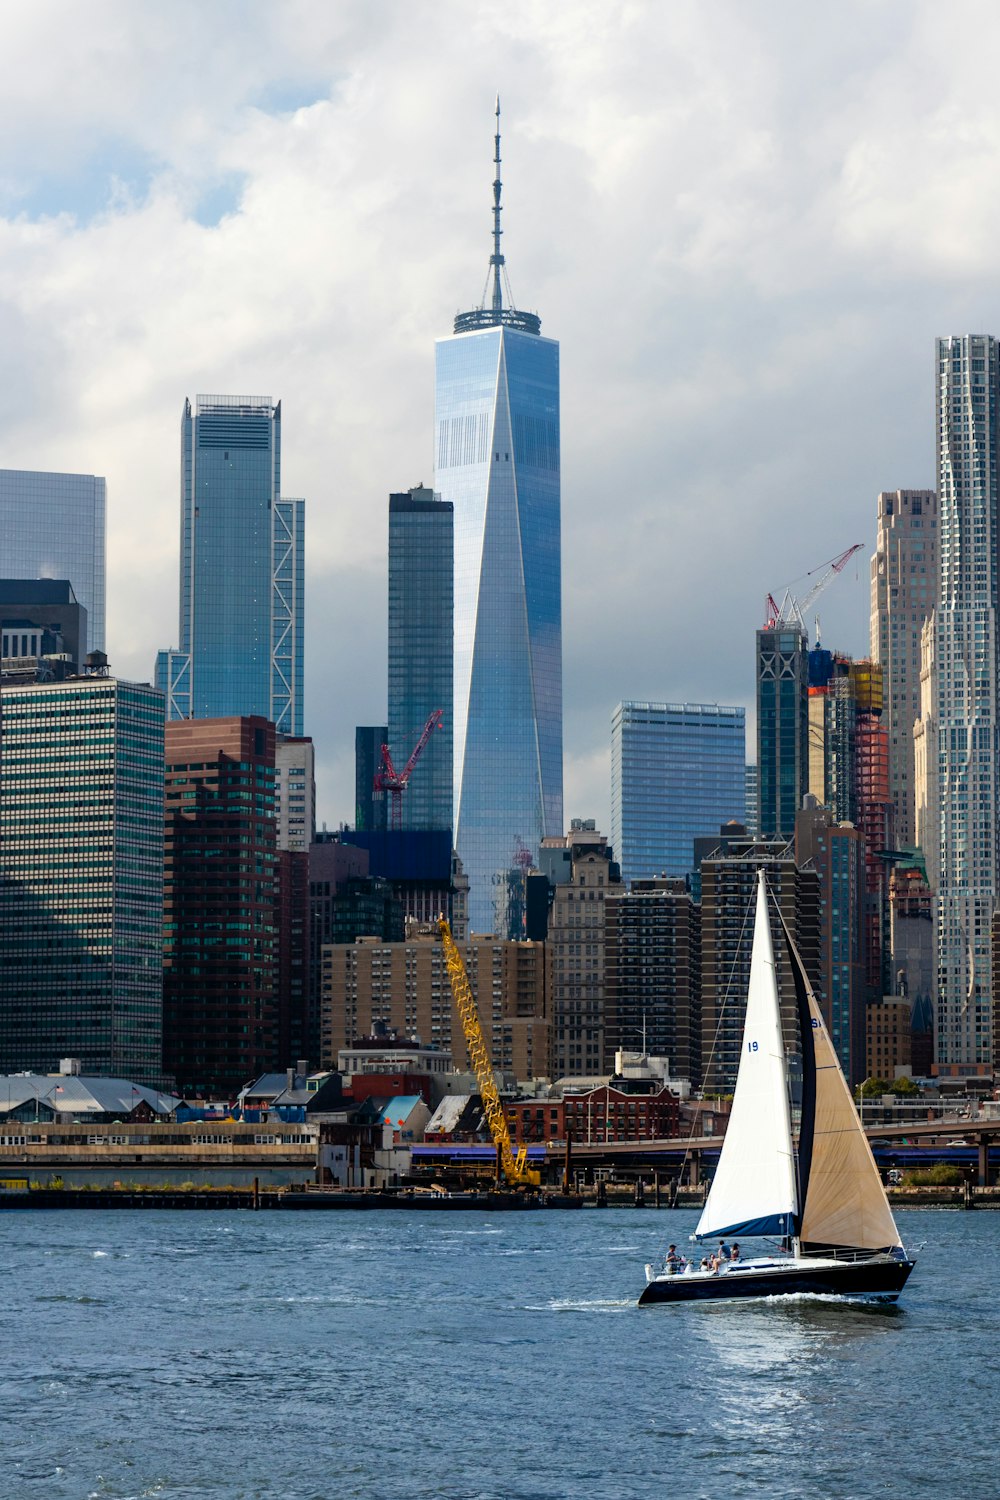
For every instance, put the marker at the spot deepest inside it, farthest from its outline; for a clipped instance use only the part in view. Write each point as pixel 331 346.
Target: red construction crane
pixel 388 779
pixel 791 610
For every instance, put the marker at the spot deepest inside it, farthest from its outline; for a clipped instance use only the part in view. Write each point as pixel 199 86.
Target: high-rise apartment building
pixel 295 791
pixel 904 578
pixel 582 885
pixel 53 526
pixel 782 727
pixel 404 987
pixel 221 994
pixel 421 639
pixel 728 882
pixel 242 570
pixel 497 461
pixel 81 876
pixel 678 770
pixel 652 973
pixel 965 695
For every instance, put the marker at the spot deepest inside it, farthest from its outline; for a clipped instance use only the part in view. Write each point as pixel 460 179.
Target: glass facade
pixel 81 890
pixel 782 729
pixel 53 527
pixel 242 570
pixel 677 774
pixel 964 783
pixel 497 426
pixel 421 631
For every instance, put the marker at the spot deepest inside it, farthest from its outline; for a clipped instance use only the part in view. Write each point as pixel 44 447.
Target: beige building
pixel 406 987
pixel 576 939
pixel 925 755
pixel 904 572
pixel 294 792
pixel 888 1025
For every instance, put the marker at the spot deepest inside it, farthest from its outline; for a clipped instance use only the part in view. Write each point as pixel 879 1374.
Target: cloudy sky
pixel 745 222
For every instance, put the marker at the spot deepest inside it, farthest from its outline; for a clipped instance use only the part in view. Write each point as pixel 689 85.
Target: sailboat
pixel 825 1202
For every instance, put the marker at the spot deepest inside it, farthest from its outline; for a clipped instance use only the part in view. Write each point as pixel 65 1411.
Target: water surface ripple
pixel 328 1356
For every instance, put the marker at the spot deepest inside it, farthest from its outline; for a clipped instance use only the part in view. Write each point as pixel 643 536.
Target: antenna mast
pixel 496 259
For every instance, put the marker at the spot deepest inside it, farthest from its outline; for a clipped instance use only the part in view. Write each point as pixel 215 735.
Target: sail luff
pixel 754 1187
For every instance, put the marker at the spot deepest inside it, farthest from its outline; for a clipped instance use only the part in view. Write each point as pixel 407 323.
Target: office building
pixel 652 975
pixel 369 805
pixel 81 876
pixel 904 577
pixel 221 995
pixel 242 570
pixel 678 770
pixel 53 526
pixel 497 461
pixel 43 629
pixel 782 727
pixel 836 852
pixel 421 637
pixel 965 696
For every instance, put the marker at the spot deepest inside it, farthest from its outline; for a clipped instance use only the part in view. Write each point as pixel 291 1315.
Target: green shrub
pixel 942 1174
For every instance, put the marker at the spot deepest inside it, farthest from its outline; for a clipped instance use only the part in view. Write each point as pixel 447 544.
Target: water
pixel 327 1356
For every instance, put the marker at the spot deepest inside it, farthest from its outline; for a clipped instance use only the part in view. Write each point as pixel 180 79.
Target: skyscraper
pixel 497 456
pixel 52 526
pixel 421 629
pixel 782 727
pixel 221 993
pixel 964 694
pixel 81 876
pixel 242 570
pixel 904 589
pixel 677 772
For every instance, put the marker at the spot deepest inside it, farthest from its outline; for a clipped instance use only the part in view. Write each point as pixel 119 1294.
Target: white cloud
pixel 745 223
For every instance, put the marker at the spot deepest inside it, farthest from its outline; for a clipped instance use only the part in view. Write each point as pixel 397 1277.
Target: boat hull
pixel 879 1280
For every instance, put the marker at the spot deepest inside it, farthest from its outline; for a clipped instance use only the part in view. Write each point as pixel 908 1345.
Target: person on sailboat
pixel 735 1253
pixel 723 1253
pixel 673 1261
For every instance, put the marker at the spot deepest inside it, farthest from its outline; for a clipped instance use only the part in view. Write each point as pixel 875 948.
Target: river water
pixel 390 1356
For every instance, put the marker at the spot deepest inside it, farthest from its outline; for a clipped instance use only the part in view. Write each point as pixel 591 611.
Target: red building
pixel 601 1114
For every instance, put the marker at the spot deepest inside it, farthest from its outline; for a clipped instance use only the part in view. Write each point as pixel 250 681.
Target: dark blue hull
pixel 881 1280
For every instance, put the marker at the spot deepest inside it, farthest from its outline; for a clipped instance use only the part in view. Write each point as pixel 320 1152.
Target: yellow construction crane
pixel 515 1169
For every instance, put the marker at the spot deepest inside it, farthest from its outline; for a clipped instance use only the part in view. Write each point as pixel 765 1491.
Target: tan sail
pixel 845 1201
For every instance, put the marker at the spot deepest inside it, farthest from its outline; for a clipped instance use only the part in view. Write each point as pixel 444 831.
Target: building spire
pixel 496 314
pixel 496 259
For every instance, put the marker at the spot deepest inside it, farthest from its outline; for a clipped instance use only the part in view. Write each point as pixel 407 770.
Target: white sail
pixel 754 1187
pixel 845 1202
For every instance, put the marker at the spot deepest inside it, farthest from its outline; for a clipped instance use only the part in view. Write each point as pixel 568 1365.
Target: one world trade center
pixel 497 461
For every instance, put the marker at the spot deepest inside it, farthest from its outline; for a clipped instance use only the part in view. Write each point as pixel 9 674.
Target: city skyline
pixel 754 284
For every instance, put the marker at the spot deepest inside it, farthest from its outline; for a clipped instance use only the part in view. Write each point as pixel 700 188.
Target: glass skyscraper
pixel 497 461
pixel 677 774
pixel 242 570
pixel 81 877
pixel 782 727
pixel 421 629
pixel 52 526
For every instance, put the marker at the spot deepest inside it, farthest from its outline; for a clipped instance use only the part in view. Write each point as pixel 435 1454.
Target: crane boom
pixel 791 610
pixel 388 779
pixel 515 1169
